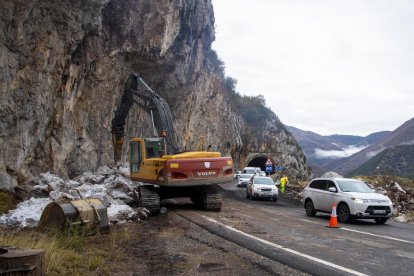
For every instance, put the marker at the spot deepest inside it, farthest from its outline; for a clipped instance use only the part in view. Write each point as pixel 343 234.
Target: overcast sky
pixel 328 66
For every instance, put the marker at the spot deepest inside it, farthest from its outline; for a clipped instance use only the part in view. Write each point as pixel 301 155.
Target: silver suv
pixel 262 187
pixel 353 199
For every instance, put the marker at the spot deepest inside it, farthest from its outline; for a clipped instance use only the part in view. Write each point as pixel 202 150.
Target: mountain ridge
pixel 323 153
pixel 404 134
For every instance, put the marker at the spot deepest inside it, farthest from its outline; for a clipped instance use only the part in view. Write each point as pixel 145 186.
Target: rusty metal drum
pixel 89 213
pixel 21 261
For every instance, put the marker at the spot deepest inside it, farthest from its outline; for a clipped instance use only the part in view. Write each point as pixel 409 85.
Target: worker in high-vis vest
pixel 283 182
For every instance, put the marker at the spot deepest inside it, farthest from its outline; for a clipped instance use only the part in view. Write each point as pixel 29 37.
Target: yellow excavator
pixel 157 164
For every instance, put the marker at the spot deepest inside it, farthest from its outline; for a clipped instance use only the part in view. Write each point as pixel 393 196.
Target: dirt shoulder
pixel 171 245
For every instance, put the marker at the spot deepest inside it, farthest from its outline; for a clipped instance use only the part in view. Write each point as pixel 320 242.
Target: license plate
pixel 379 211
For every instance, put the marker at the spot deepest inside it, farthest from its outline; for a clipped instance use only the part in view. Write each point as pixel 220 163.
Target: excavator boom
pixel 136 91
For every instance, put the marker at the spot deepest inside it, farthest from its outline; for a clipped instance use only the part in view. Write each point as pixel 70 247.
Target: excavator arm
pixel 136 91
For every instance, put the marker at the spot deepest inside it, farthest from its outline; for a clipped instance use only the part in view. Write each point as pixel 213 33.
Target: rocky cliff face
pixel 63 66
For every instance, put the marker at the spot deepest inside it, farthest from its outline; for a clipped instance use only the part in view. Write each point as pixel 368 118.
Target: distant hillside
pixel 403 135
pixel 351 140
pixel 309 141
pixel 321 150
pixel 398 160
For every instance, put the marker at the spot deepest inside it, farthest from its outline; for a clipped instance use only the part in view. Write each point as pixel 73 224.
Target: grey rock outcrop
pixel 63 66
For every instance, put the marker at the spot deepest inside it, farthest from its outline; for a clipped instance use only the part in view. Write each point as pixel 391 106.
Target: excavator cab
pixel 154 147
pixel 146 159
pixel 135 156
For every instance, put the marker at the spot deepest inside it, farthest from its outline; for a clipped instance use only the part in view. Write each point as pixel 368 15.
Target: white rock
pixel 88 190
pixel 401 218
pixel 41 188
pixel 124 169
pixel 119 182
pixel 59 195
pixel 331 174
pixel 27 214
pixel 84 177
pixel 117 212
pixel 105 170
pixel 117 194
pixel 396 185
pixel 54 182
pixel 96 179
pixel 73 184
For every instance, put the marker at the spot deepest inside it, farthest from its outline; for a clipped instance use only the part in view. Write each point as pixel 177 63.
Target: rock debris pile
pixel 403 201
pixel 107 184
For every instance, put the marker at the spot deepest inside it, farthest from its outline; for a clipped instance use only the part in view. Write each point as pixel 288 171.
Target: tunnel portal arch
pixel 259 160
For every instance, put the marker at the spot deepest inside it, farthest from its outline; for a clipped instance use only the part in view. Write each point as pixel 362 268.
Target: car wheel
pixel 275 199
pixel 344 215
pixel 381 220
pixel 310 210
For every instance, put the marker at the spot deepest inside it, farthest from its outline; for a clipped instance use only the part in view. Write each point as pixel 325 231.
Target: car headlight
pixel 256 189
pixel 360 201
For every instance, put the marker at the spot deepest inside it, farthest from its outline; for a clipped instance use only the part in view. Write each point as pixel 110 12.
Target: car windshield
pixel 353 186
pixel 250 171
pixel 263 181
pixel 245 175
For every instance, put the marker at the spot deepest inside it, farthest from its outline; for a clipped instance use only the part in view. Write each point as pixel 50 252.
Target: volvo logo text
pixel 206 173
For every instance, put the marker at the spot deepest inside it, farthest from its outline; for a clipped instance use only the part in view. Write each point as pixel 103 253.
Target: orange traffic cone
pixel 333 222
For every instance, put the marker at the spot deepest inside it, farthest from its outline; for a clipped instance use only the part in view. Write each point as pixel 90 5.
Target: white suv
pixel 261 187
pixel 353 199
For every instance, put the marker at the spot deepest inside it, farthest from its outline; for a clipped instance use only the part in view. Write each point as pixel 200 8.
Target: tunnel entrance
pixel 259 161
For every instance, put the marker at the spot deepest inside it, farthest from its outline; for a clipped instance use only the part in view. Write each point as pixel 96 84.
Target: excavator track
pixel 149 199
pixel 209 199
pixel 213 201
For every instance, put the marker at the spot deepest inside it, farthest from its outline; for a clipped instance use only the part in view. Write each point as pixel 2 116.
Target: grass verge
pixel 6 202
pixel 71 252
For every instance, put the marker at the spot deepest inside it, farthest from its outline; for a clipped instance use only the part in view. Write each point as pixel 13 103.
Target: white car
pixel 244 178
pixel 251 170
pixel 262 187
pixel 353 199
pixel 237 174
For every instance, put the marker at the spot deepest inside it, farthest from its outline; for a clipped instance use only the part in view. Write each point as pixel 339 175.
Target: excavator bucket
pixel 89 213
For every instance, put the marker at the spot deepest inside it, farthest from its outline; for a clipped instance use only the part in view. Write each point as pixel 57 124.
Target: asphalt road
pixel 282 232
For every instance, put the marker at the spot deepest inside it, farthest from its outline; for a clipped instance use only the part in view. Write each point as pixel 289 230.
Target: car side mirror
pixel 277 183
pixel 332 189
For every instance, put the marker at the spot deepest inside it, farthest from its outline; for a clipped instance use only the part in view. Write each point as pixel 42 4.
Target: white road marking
pixel 287 249
pixel 375 235
pixel 310 221
pixel 365 233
